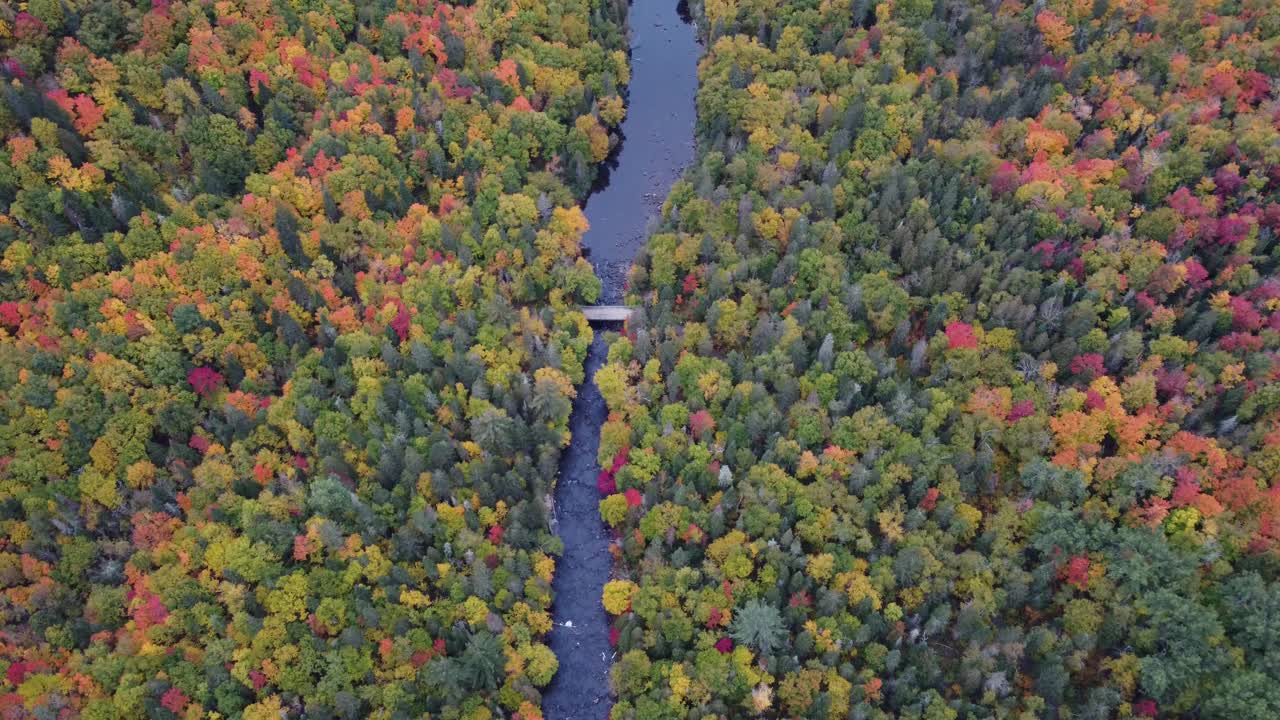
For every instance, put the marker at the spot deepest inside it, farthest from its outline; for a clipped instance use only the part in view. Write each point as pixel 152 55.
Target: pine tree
pixel 759 626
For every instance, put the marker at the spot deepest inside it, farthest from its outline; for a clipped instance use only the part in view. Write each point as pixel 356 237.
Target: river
pixel 657 140
pixel 657 145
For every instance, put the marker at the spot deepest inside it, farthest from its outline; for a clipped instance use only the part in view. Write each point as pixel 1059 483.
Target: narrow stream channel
pixel 657 145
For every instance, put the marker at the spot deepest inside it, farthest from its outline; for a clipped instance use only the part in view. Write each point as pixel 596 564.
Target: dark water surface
pixel 657 139
pixel 581 686
pixel 657 144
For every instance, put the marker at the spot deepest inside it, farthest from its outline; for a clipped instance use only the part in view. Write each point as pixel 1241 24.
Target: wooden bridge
pixel 607 313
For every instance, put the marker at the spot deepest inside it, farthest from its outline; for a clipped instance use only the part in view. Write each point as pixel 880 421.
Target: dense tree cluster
pixel 956 390
pixel 288 341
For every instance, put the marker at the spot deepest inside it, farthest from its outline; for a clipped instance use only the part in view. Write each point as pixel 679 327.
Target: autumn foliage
pixel 288 341
pixel 959 346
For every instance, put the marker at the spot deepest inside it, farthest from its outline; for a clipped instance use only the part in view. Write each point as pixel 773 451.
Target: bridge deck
pixel 607 313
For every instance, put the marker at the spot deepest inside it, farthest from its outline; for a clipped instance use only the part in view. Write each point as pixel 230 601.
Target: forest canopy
pixel 953 394
pixel 953 389
pixel 288 340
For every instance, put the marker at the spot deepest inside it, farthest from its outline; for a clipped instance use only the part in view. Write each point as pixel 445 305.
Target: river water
pixel 657 145
pixel 657 139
